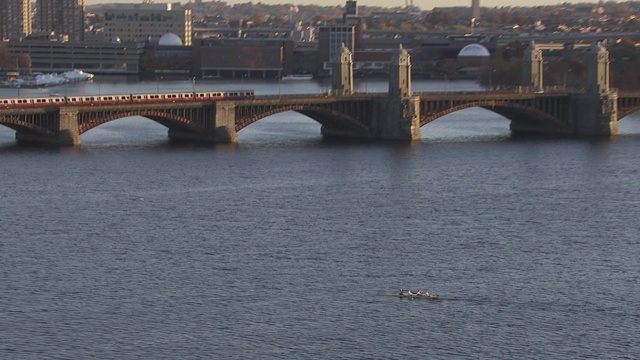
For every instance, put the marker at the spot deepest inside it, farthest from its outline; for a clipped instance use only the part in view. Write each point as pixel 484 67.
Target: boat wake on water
pixel 419 295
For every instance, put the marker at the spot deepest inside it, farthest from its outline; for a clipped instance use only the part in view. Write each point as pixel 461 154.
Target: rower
pixel 401 292
pixel 419 292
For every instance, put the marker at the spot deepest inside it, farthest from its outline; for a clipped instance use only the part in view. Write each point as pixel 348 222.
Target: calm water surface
pixel 281 246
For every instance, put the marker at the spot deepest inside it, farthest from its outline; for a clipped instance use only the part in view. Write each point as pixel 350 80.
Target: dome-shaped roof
pixel 170 40
pixel 474 50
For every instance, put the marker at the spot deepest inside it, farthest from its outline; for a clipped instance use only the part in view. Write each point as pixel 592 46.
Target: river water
pixel 280 247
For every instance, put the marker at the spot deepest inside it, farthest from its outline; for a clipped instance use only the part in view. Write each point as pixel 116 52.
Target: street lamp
pixel 242 80
pixel 279 85
pixel 491 79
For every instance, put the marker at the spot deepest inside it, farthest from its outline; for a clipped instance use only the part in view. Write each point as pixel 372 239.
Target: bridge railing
pixel 355 95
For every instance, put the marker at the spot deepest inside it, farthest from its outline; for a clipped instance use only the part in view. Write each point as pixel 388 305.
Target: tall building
pixel 15 19
pixel 331 39
pixel 350 15
pixel 62 17
pixel 147 22
pixel 475 9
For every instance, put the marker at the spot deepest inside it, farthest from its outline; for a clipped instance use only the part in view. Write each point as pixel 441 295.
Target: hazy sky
pixel 422 4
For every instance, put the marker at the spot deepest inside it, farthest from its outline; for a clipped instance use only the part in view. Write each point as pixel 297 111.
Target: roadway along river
pixel 280 247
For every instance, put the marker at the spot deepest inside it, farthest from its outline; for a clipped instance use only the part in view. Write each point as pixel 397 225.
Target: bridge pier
pixel 66 133
pixel 594 114
pixel 224 127
pixel 397 119
pixel 225 123
pixel 596 111
pixel 399 115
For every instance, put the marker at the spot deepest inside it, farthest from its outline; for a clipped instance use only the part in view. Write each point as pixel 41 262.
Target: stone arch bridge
pixel 363 116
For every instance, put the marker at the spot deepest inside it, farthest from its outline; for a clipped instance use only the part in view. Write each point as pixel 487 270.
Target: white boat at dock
pixel 77 75
pixel 38 79
pixel 297 77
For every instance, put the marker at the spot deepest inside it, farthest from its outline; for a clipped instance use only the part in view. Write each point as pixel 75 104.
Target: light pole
pixel 491 79
pixel 279 86
pixel 446 83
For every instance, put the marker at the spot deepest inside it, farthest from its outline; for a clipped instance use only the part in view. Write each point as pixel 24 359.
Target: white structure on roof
pixel 170 39
pixel 474 50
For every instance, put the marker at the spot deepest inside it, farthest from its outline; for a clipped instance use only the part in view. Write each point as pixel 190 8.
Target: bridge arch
pixel 167 119
pixel 23 126
pixel 624 112
pixel 515 112
pixel 326 116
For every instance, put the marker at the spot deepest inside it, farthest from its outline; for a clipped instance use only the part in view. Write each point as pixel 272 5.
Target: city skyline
pixel 422 4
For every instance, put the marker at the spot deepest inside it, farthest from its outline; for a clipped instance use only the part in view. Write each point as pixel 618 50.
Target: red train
pixel 56 100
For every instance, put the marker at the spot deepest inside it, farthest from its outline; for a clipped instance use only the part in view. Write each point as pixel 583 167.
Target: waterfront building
pixel 15 19
pixel 330 42
pixel 244 58
pixel 168 57
pixel 147 22
pixel 93 57
pixel 62 17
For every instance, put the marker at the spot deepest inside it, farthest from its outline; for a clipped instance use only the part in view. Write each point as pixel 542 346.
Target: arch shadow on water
pixel 468 125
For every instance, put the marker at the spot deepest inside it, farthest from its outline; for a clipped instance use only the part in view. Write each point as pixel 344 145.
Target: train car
pixel 162 97
pixel 224 95
pixel 82 100
pixel 242 94
pixel 114 99
pixel 32 102
pixel 109 99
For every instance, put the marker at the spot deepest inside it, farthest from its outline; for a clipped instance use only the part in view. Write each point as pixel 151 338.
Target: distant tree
pixel 318 19
pixel 506 18
pixel 438 17
pixel 514 49
pixel 6 61
pixel 405 26
pixel 625 48
pixel 259 19
pixel 500 74
pixel 24 61
pixel 449 68
pixel 280 19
